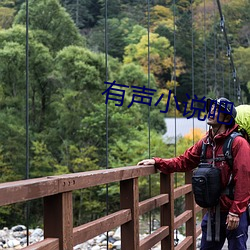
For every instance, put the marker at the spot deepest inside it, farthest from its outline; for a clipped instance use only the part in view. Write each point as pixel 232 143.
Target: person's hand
pixel 146 162
pixel 232 221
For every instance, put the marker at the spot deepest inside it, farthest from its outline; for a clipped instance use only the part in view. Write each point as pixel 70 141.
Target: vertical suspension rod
pixel 149 121
pixel 107 111
pixel 27 113
pixel 192 24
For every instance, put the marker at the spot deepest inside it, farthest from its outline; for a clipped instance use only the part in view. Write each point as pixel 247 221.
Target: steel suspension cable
pixel 229 53
pixel 229 83
pixel 107 111
pixel 192 77
pixel 222 64
pixel 223 78
pixel 174 73
pixel 175 92
pixel 149 121
pixel 215 53
pixel 205 49
pixel 234 89
pixel 27 207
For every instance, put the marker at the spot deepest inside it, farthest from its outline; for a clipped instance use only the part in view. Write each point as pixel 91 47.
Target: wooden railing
pixel 56 192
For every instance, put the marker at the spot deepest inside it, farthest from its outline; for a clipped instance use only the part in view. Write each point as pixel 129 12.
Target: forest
pixel 76 50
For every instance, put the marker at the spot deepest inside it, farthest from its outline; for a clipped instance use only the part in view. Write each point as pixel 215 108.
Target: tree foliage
pixel 53 25
pixel 69 120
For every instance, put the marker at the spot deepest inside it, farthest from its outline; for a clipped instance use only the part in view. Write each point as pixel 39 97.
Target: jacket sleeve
pixel 241 175
pixel 185 162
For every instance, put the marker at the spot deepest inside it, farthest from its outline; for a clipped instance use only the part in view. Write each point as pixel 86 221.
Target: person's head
pixel 221 112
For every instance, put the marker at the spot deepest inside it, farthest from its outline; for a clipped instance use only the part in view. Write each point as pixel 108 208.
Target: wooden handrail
pixel 152 203
pixel 58 208
pixel 46 244
pixel 24 190
pixel 154 238
pixel 90 230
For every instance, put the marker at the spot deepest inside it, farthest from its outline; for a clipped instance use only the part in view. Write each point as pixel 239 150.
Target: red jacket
pixel 241 167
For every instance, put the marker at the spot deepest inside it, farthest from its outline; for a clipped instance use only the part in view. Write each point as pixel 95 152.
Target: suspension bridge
pixel 56 191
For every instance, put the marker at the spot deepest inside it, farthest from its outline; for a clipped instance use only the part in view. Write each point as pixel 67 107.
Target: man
pixel 233 212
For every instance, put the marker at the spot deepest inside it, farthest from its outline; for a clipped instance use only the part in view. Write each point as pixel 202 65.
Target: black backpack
pixel 206 180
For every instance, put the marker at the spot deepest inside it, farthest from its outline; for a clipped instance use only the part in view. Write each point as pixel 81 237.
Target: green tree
pixel 7 12
pixel 241 56
pixel 136 34
pixel 42 163
pixel 12 108
pixel 84 13
pixel 237 17
pixel 78 72
pixel 13 60
pixel 13 148
pixel 6 17
pixel 117 32
pixel 53 25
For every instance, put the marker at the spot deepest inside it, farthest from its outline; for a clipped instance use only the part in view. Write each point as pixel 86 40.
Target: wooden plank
pixel 185 244
pixel 129 196
pixel 58 219
pixel 167 210
pixel 190 205
pixel 46 244
pixel 94 178
pixel 182 218
pixel 152 203
pixel 24 190
pixel 154 238
pixel 90 230
pixel 182 190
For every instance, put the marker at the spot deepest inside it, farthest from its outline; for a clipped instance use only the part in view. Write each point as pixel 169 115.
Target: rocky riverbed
pixel 16 238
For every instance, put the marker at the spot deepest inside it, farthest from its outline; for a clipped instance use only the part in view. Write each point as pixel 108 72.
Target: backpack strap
pixel 217 207
pixel 203 152
pixel 227 148
pixel 227 151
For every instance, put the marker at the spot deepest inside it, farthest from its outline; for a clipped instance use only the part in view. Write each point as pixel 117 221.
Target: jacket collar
pixel 221 136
